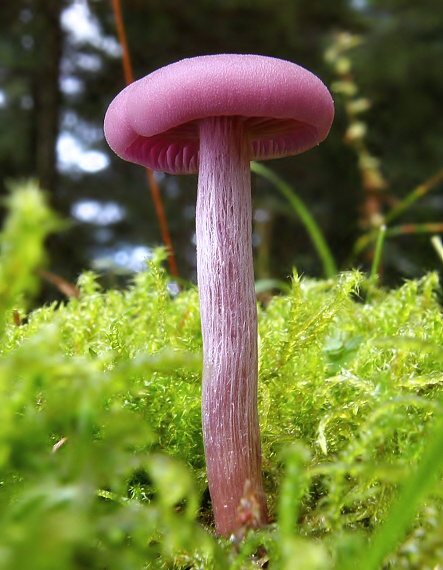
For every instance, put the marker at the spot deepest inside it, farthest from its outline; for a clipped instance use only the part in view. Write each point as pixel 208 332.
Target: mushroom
pixel 214 114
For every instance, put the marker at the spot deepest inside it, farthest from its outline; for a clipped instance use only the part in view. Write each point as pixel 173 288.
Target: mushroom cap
pixel 155 120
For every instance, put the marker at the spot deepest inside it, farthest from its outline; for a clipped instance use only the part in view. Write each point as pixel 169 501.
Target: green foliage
pixel 101 455
pixel 21 242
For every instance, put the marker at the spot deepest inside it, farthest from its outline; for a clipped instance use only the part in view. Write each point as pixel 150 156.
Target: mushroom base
pixel 229 327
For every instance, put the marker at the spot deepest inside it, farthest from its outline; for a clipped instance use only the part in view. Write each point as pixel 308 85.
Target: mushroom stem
pixel 229 326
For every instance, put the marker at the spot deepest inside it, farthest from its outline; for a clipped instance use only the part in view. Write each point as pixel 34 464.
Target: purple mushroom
pixel 214 114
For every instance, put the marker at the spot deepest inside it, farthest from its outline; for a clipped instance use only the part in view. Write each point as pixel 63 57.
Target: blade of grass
pixel 406 229
pixel 292 489
pixel 377 253
pixel 362 243
pixel 367 239
pixel 419 485
pixel 323 251
pixel 413 196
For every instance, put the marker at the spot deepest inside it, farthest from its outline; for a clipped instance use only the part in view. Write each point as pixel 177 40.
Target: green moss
pixel 101 455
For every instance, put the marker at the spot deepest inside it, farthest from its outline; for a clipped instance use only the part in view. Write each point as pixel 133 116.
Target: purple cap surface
pixel 155 120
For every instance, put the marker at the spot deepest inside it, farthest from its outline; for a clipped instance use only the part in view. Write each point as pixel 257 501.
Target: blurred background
pixel 61 65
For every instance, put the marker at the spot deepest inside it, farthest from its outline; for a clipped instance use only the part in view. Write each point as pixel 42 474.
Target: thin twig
pixel 155 191
pixel 121 34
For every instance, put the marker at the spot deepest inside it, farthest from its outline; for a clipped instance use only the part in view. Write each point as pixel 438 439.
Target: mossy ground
pixel 101 455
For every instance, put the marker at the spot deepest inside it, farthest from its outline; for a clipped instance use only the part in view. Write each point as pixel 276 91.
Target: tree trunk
pixel 48 45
